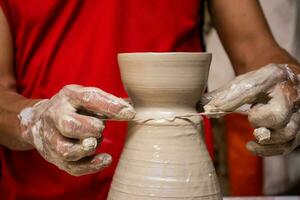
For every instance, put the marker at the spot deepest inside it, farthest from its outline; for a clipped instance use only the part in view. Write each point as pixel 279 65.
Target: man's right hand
pixel 66 129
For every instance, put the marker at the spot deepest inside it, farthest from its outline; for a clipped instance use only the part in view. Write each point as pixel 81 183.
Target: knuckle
pixel 254 118
pixel 280 116
pixel 64 90
pixel 64 150
pixel 67 156
pixel 278 71
pixel 71 87
pixel 270 119
pixel 288 135
pixel 73 127
pixel 49 116
pixel 70 156
pixel 68 90
pixel 62 153
pixel 67 124
pixel 97 126
pixel 50 137
pixel 90 94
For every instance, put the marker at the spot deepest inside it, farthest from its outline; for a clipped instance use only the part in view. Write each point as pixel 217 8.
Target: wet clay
pixel 164 156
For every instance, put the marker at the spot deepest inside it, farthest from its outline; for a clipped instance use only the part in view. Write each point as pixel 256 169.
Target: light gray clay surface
pixel 164 156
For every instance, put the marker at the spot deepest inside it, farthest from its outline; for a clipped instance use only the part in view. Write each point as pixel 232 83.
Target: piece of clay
pixel 165 156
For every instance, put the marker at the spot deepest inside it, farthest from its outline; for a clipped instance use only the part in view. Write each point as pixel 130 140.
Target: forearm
pixel 254 56
pixel 11 104
pixel 246 36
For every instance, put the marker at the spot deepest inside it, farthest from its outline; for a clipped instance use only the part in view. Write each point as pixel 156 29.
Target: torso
pixel 63 42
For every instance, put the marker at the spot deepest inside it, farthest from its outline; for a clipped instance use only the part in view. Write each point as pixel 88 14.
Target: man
pixel 48 45
pixel 243 167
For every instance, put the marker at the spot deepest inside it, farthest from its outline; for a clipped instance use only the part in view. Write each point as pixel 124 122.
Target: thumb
pixel 207 97
pixel 98 102
pixel 244 89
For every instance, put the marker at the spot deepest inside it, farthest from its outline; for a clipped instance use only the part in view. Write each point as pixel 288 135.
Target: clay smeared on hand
pixel 273 92
pixel 66 130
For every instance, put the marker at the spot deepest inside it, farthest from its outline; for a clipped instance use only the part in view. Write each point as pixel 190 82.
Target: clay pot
pixel 164 156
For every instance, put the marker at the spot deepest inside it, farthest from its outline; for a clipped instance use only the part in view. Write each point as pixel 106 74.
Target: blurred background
pixel 241 173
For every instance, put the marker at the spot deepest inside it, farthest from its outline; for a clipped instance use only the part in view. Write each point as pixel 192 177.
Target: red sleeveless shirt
pixel 60 42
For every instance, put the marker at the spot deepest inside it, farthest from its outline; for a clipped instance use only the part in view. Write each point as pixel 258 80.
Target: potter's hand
pixel 273 91
pixel 66 132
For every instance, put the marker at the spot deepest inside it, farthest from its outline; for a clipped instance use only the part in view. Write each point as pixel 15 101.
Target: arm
pixel 246 36
pixel 273 90
pixel 11 103
pixel 65 129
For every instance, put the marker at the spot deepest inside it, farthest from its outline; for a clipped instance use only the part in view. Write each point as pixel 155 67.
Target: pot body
pixel 164 156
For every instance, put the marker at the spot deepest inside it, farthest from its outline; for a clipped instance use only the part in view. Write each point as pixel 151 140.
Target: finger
pixel 269 149
pixel 262 135
pixel 245 89
pixel 73 125
pixel 98 101
pixel 280 136
pixel 276 113
pixel 70 150
pixel 89 165
pixel 90 143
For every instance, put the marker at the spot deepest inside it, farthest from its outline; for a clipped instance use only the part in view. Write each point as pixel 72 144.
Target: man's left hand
pixel 274 94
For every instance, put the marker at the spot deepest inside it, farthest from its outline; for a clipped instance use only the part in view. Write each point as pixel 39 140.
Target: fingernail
pixel 102 159
pixel 262 134
pixel 106 159
pixel 89 143
pixel 127 113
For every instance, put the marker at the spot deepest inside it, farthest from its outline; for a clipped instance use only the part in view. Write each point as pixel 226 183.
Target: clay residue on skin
pixel 89 143
pixel 26 116
pixel 37 139
pixel 67 138
pixel 275 101
pixel 100 102
pixel 247 88
pixel 262 134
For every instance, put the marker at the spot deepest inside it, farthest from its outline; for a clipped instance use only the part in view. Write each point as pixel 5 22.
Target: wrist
pixel 254 60
pixel 27 119
pixel 295 68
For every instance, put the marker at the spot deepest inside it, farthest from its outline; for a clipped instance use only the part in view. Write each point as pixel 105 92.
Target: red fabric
pixel 245 169
pixel 60 42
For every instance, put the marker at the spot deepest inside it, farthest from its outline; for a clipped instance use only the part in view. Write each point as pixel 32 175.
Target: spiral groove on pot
pixel 164 156
pixel 165 162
